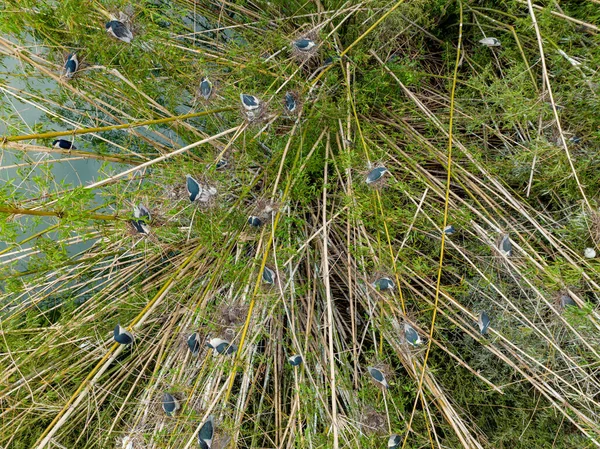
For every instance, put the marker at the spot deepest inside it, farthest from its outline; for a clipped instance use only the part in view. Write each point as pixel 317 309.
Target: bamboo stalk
pixel 74 132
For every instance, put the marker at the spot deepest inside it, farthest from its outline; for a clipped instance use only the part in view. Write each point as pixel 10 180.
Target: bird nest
pixel 257 115
pixel 595 228
pixel 373 422
pixel 264 210
pixel 564 299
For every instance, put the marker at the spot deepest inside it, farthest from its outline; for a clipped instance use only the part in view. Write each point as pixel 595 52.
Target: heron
pixel 71 65
pixel 119 30
pixel 206 88
pixel 304 45
pixel 295 360
pixel 170 404
pixel 122 336
pixel 376 174
pixel 384 284
pixel 206 433
pixel 378 376
pixel 221 346
pixel 249 102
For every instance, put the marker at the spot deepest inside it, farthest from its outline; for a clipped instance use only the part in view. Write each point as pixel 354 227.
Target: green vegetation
pixel 492 140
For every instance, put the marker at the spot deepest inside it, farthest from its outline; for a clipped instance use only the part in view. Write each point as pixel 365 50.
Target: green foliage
pixel 74 265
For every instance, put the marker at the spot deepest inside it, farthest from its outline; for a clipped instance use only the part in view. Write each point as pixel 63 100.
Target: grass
pixel 472 136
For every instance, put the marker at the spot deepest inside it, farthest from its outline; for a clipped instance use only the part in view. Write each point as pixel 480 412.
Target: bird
pixel 378 376
pixel 122 336
pixel 206 88
pixel 268 276
pixel 170 404
pixel 193 187
pixel 483 322
pixel 142 215
pixel 140 226
pixel 221 164
pixel 566 300
pixel 376 174
pixel 249 102
pixel 206 433
pixel 254 221
pixel 64 144
pixel 193 343
pixel 198 192
pixel 449 230
pixel 290 102
pixel 71 65
pixel 384 284
pixel 295 360
pixel 505 246
pixel 140 211
pixel 304 44
pixel 411 335
pixel 119 30
pixel 589 253
pixel 490 42
pixel 221 346
pixel 394 441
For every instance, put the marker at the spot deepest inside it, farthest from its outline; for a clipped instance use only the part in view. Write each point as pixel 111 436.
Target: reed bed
pixel 491 140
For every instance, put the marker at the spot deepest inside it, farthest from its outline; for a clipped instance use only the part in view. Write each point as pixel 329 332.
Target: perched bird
pixel 384 284
pixel 394 441
pixel 411 335
pixel 206 433
pixel 376 174
pixel 268 276
pixel 304 44
pixel 589 253
pixel 295 360
pixel 193 188
pixel 378 376
pixel 254 221
pixel 221 164
pixel 122 336
pixel 140 226
pixel 197 191
pixel 140 211
pixel 64 144
pixel 142 215
pixel 206 88
pixel 449 230
pixel 119 30
pixel 249 102
pixel 290 102
pixel 566 300
pixel 170 404
pixel 71 65
pixel 221 346
pixel 490 42
pixel 193 343
pixel 505 246
pixel 483 322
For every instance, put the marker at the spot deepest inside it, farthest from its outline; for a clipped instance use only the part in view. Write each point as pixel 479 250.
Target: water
pixel 22 117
